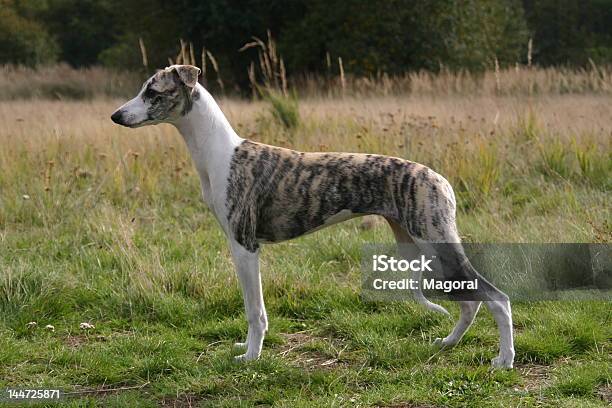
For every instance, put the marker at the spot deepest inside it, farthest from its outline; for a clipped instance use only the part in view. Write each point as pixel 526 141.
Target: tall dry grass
pixel 62 82
pixel 268 71
pixel 498 151
pixel 516 81
pixel 514 154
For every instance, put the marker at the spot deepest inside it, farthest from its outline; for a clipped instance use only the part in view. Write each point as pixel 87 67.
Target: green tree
pixel 82 28
pixel 22 40
pixel 157 22
pixel 370 36
pixel 392 36
pixel 569 32
pixel 467 34
pixel 222 26
pixel 399 35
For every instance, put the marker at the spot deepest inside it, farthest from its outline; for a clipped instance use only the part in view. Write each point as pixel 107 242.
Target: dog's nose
pixel 116 117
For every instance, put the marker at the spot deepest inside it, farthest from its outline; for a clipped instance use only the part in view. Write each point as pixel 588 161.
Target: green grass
pixel 167 308
pixel 123 241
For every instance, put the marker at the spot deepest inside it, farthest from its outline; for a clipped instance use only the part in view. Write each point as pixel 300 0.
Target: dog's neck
pixel 209 136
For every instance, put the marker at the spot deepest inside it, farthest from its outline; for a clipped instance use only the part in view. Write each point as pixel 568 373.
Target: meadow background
pixel 510 101
pixel 105 225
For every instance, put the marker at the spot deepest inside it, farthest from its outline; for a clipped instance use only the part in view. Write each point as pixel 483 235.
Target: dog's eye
pixel 150 93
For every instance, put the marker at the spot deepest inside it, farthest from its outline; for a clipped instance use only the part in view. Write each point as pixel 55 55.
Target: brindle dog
pixel 264 194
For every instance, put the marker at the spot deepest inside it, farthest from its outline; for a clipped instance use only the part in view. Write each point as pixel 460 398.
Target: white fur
pixel 211 142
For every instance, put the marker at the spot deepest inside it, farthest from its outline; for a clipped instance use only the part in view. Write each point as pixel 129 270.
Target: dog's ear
pixel 188 74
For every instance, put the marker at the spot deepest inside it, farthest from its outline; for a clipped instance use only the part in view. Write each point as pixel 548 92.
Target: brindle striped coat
pixel 275 194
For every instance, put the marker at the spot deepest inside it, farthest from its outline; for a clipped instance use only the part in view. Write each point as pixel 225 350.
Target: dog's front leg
pixel 247 268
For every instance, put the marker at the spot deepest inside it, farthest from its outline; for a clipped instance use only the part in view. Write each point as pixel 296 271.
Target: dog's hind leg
pixel 469 309
pixel 247 268
pixel 431 220
pixel 453 256
pixel 497 302
pixel 468 313
pixel 503 317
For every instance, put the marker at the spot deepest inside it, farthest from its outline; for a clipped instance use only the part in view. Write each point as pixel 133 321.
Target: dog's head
pixel 164 98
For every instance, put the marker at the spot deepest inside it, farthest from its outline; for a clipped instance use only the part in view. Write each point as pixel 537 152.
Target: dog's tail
pixel 420 298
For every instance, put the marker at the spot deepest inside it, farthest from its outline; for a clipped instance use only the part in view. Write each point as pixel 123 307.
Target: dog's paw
pixel 442 343
pixel 241 345
pixel 245 357
pixel 502 362
pixel 241 358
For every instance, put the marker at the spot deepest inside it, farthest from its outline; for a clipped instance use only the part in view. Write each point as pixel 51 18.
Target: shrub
pixel 595 167
pixel 554 160
pixel 284 109
pixel 23 41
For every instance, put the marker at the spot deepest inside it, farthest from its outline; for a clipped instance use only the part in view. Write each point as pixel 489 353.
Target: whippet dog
pixel 265 194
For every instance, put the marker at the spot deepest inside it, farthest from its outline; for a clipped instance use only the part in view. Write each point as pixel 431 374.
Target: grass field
pixel 106 225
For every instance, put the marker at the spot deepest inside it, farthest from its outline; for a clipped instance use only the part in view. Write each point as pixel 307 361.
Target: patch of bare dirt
pixel 182 401
pixel 104 390
pixel 75 341
pixel 308 359
pixel 535 376
pixel 605 393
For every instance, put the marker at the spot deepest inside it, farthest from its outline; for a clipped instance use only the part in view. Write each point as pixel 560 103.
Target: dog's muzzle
pixel 117 117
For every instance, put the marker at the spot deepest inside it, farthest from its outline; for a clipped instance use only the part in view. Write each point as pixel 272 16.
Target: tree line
pixel 371 36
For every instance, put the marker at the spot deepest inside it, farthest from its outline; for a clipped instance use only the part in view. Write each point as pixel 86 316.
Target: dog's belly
pixel 279 233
